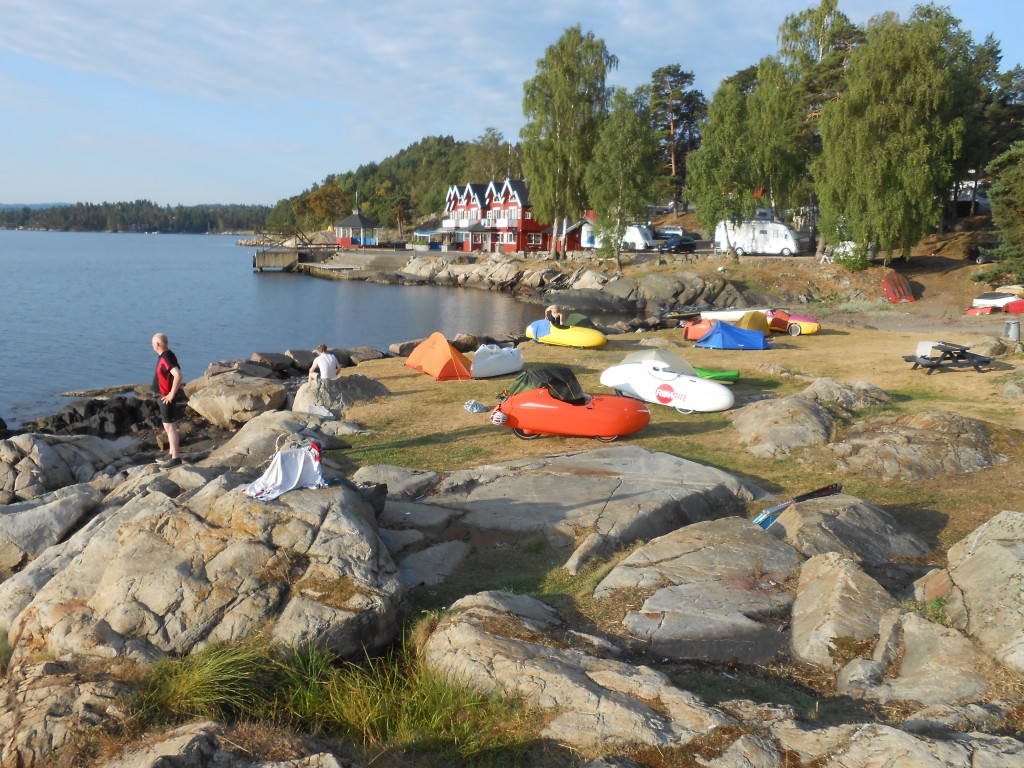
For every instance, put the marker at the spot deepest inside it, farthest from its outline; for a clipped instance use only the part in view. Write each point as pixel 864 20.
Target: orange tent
pixel 436 357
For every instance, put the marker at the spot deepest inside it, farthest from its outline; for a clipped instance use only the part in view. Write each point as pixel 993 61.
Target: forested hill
pixel 401 189
pixel 138 216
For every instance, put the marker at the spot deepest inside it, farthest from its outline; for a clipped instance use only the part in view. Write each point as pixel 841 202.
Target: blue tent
pixel 725 336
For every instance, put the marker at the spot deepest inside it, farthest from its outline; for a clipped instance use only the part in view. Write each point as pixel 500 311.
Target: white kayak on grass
pixel 653 381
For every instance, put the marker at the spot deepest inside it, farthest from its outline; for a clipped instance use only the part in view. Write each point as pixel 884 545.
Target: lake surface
pixel 79 309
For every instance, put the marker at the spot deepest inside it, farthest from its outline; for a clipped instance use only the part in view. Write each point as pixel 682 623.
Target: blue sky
pixel 225 101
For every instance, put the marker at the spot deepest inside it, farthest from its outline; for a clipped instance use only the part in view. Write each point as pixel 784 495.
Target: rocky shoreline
pixel 110 558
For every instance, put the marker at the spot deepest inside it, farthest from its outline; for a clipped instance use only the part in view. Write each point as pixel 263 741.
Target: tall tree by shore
pixel 564 105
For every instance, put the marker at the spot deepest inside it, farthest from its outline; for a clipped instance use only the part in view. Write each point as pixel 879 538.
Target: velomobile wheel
pixel 610 439
pixel 794 329
pixel 525 435
pixel 684 411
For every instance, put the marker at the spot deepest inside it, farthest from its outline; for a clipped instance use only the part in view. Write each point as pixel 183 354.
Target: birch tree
pixel 564 105
pixel 621 177
pixel 722 183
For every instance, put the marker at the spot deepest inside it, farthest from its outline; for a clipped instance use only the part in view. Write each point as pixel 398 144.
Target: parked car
pixel 678 244
pixel 984 252
pixel 666 232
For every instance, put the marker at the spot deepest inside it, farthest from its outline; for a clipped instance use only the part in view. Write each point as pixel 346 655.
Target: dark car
pixel 678 244
pixel 984 252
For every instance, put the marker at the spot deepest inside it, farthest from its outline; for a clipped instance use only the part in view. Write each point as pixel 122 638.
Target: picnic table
pixel 945 354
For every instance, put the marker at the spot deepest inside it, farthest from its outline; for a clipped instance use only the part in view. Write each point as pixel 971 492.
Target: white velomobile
pixel 492 360
pixel 660 376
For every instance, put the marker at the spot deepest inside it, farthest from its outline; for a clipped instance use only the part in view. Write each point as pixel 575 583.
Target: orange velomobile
pixel 550 401
pixel 436 357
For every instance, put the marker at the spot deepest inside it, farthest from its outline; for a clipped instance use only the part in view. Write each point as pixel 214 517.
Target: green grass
pixel 392 704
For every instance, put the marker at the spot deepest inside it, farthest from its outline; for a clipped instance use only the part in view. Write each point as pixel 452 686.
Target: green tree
pixel 779 166
pixel 621 176
pixel 491 158
pixel 722 181
pixel 676 114
pixel 889 143
pixel 1007 196
pixel 326 204
pixel 564 105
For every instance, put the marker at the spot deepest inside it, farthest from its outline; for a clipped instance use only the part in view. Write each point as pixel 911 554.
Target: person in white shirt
pixel 325 366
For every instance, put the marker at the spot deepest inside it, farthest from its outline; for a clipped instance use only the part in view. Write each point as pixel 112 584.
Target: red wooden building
pixel 497 219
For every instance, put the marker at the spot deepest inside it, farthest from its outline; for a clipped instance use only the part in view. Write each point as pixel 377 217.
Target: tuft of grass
pixel 391 704
pixel 934 610
pixel 221 682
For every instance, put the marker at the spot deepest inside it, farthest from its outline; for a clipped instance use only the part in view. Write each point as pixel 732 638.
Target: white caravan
pixel 637 237
pixel 757 236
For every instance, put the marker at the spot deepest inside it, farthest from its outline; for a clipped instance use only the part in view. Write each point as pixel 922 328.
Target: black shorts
pixel 169 414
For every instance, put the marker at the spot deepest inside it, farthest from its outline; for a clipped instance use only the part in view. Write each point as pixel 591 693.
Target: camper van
pixel 758 236
pixel 637 237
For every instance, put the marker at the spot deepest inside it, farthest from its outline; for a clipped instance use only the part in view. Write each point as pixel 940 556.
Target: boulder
pixel 918 660
pixel 49 706
pixel 719 590
pixel 303 358
pixel 851 397
pixel 982 587
pixel 499 642
pixel 915 447
pixel 255 444
pixel 775 428
pixel 29 527
pixel 231 400
pixel 873 744
pixel 32 465
pixel 837 608
pixel 277 362
pixel 169 576
pixel 363 354
pixel 330 397
pixel 848 525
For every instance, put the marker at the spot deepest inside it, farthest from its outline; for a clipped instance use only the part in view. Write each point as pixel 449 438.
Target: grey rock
pixel 622 494
pixel 775 428
pixel 938 665
pixel 835 599
pixel 433 565
pixel 985 570
pixel 716 590
pixel 27 528
pixel 335 395
pixel 592 701
pixel 847 525
pixel 165 576
pixel 48 706
pixel 915 447
pixel 850 397
pixel 230 401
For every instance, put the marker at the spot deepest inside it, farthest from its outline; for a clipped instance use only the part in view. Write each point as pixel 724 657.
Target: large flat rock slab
pixel 596 501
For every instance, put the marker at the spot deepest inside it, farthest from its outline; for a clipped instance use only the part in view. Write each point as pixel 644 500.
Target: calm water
pixel 79 309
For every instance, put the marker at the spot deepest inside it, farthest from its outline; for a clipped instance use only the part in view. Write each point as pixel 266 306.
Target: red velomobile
pixel 550 401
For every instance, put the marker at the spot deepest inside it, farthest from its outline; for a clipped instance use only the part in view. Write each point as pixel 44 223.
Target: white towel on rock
pixel 294 468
